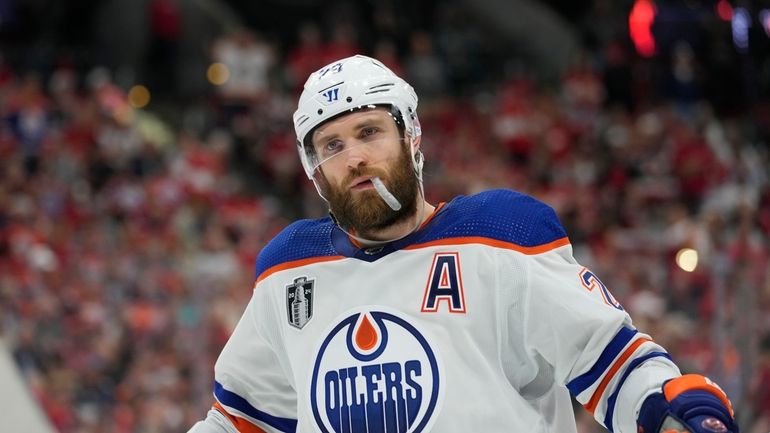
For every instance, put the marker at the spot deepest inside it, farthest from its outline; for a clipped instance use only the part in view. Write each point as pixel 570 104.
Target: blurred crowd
pixel 127 242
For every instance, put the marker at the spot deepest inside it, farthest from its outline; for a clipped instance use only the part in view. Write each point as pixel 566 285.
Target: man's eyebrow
pixel 327 138
pixel 363 123
pixel 369 121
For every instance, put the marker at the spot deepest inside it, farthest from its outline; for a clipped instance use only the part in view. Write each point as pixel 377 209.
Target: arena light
pixel 724 10
pixel 764 18
pixel 740 25
pixel 218 74
pixel 139 96
pixel 687 259
pixel 640 22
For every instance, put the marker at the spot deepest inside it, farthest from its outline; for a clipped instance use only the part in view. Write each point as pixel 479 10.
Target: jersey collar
pixel 349 247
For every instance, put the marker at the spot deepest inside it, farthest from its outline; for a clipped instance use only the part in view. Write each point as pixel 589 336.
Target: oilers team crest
pixel 375 373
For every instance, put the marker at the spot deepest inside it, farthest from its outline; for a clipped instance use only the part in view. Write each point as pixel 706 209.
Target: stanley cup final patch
pixel 299 301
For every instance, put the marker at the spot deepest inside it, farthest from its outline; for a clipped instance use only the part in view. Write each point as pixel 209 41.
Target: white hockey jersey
pixel 480 321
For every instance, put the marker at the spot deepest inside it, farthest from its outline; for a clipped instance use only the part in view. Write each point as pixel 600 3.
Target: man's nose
pixel 356 156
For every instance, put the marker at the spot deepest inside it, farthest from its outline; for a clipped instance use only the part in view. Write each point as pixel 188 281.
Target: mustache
pixel 359 172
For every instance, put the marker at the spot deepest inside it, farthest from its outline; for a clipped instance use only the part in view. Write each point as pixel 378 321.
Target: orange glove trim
pixel 674 387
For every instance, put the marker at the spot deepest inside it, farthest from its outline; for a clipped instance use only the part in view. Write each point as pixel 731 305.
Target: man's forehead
pixel 352 119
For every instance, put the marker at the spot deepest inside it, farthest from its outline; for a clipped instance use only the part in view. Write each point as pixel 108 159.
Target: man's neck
pixel 398 230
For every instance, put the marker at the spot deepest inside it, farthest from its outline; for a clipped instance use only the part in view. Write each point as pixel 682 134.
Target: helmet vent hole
pixel 320 111
pixel 349 99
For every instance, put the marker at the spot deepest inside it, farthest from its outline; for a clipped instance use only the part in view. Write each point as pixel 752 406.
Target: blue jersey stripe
pixel 300 240
pixel 585 380
pixel 235 401
pixel 631 366
pixel 503 215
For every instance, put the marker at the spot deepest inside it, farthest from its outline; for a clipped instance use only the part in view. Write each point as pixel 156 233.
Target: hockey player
pixel 395 315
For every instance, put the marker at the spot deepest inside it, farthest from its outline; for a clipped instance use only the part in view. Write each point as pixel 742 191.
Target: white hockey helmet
pixel 348 85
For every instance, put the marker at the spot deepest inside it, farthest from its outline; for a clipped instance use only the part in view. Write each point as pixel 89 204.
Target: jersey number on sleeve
pixel 590 281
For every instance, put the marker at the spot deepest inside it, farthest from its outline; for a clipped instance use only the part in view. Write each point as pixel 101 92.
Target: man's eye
pixel 366 132
pixel 332 146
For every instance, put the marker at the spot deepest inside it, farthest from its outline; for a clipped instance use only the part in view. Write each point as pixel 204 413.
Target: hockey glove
pixel 688 404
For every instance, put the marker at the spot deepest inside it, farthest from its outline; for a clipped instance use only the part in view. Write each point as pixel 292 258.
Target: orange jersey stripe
pixel 240 424
pixel 295 264
pixel 591 405
pixel 433 214
pixel 538 249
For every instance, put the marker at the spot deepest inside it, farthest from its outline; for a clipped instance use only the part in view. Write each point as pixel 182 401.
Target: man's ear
pixel 415 142
pixel 417 157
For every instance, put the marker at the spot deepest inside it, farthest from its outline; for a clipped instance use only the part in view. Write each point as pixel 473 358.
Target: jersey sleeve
pixel 252 390
pixel 571 320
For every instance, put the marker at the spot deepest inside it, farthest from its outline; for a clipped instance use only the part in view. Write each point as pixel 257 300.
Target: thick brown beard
pixel 366 211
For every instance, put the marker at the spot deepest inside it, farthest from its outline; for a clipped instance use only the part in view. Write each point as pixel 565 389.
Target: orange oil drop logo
pixel 366 335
